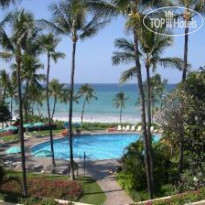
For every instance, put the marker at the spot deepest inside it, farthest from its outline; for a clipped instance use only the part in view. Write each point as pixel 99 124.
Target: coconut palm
pixel 29 74
pixel 65 96
pixel 196 5
pixel 73 19
pixel 87 92
pixel 55 90
pixel 119 102
pixel 151 49
pixel 22 26
pixel 12 91
pixel 4 82
pixel 6 3
pixel 49 43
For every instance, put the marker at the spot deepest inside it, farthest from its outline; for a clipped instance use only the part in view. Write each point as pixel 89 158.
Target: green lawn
pixel 92 193
pixel 10 138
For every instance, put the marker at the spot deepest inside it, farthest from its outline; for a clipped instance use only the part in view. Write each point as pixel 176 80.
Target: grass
pixel 13 137
pixel 92 193
pixel 9 138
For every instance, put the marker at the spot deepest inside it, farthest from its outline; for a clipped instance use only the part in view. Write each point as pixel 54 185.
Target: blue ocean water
pixel 96 147
pixel 102 110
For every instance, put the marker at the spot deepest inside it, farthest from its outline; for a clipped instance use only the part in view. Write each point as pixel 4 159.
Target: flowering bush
pixel 184 198
pixel 44 187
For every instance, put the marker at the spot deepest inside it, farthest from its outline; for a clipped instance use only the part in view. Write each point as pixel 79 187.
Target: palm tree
pixel 133 56
pixel 22 25
pixel 49 44
pixel 6 3
pixel 73 19
pixel 12 91
pixel 55 90
pixel 199 6
pixel 152 47
pixel 196 5
pixel 86 91
pixel 65 96
pixel 4 81
pixel 29 74
pixel 119 102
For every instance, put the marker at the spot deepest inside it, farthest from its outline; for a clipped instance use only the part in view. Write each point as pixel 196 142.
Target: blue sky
pixel 93 60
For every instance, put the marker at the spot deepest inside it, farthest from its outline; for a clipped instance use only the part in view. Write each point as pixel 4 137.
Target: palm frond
pixel 128 75
pixel 122 58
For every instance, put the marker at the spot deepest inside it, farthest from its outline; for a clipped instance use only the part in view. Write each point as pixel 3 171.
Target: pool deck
pixel 98 170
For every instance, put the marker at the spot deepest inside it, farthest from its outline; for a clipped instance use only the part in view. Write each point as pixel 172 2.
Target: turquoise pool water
pixel 96 147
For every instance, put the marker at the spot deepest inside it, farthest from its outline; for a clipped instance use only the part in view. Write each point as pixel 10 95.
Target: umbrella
pixel 11 128
pixel 38 124
pixel 28 125
pixel 2 130
pixel 42 153
pixel 13 150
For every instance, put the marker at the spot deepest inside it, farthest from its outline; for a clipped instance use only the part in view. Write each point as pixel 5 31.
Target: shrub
pixel 43 187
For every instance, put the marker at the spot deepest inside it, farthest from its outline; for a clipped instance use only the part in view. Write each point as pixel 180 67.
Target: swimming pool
pixel 96 147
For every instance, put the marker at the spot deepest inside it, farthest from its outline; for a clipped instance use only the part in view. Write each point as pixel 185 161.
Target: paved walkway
pixel 98 170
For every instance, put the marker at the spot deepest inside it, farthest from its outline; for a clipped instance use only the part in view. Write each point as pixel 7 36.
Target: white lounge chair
pixel 123 128
pixel 133 128
pixel 127 128
pixel 152 128
pixel 119 128
pixel 139 128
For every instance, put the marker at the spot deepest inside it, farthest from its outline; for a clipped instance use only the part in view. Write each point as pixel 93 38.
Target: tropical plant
pixel 30 75
pixel 5 115
pixel 6 3
pixel 87 92
pixel 75 20
pixel 4 81
pixel 55 90
pixel 196 5
pixel 129 52
pixel 182 117
pixel 12 91
pixel 22 26
pixel 49 43
pixel 119 102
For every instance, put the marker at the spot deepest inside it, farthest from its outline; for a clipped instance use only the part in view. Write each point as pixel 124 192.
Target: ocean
pixel 102 110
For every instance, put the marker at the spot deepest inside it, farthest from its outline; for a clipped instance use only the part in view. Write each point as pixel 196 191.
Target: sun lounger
pixel 139 128
pixel 119 128
pixel 133 128
pixel 111 129
pixel 152 128
pixel 123 128
pixel 127 128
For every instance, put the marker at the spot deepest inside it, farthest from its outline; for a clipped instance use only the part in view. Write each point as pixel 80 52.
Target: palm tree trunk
pixel 181 143
pixel 11 107
pixel 121 115
pixel 4 94
pixel 48 109
pixel 21 134
pixel 143 114
pixel 72 176
pixel 54 107
pixel 186 44
pixel 149 114
pixel 83 110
